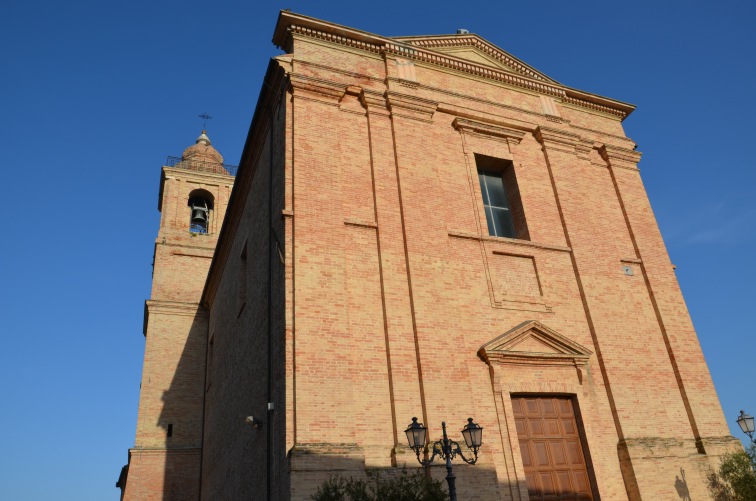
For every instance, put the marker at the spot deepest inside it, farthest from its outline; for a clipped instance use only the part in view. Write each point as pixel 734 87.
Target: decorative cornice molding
pixel 486 116
pixel 597 133
pixel 189 253
pixel 301 84
pixel 616 153
pixel 331 37
pixel 174 308
pixel 409 52
pixel 339 448
pixel 559 350
pixel 373 101
pixel 409 84
pixel 658 447
pixel 309 456
pixel 211 178
pixel 583 148
pixel 304 66
pixel 358 222
pixel 291 24
pixel 548 136
pixel 569 142
pixel 595 106
pixel 138 450
pixel 633 260
pixel 480 44
pixel 418 107
pixel 513 136
pixel 180 245
pixel 503 240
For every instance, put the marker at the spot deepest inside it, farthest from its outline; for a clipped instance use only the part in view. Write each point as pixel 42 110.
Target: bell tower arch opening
pixel 201 205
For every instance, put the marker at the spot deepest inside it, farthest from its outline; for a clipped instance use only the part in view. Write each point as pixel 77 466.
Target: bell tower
pixel 164 463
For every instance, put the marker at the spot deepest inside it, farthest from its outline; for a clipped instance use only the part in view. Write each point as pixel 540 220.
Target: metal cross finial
pixel 205 117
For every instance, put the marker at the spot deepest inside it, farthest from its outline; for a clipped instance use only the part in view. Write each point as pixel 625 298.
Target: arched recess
pixel 201 204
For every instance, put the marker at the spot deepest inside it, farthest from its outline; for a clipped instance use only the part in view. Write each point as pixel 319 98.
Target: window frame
pixel 511 221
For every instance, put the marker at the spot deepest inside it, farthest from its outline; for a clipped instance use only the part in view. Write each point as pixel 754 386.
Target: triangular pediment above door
pixel 532 343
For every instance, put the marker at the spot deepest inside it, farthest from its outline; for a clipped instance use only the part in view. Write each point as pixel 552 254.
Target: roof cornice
pixel 290 24
pixel 480 43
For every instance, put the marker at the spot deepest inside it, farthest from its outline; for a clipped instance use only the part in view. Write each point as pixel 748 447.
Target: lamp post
pixel 445 448
pixel 746 424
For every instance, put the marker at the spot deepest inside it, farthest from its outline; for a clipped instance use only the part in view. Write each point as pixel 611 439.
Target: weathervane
pixel 205 117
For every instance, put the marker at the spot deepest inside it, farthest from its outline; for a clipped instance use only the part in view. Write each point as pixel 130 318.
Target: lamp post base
pixel 451 479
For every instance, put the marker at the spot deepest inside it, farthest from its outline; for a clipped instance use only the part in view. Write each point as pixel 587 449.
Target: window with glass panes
pixel 501 198
pixel 496 204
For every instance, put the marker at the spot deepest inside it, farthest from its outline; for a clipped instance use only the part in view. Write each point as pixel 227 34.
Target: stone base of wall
pixel 163 475
pixel 663 468
pixel 313 464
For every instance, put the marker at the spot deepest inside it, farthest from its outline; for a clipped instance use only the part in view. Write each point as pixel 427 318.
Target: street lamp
pixel 445 448
pixel 746 424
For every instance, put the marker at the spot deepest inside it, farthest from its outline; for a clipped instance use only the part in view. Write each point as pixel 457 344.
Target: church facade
pixel 420 227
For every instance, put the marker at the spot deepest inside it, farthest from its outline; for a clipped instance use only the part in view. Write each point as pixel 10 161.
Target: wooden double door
pixel 551 449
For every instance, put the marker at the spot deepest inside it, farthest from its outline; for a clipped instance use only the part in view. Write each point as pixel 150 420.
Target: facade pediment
pixel 533 343
pixel 476 56
pixel 476 50
pixel 466 53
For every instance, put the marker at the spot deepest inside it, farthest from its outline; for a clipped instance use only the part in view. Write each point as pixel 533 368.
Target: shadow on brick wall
pixel 474 483
pixel 681 486
pixel 181 416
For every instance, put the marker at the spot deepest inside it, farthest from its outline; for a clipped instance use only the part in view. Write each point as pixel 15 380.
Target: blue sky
pixel 96 94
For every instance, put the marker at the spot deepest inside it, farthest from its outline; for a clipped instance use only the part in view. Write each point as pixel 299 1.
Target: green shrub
pixel 736 478
pixel 404 486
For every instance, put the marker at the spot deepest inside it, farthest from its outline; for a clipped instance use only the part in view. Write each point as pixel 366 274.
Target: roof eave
pixel 600 100
pixel 288 18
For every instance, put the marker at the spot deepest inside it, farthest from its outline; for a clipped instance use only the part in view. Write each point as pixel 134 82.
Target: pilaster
pixel 680 340
pixel 601 244
pixel 404 372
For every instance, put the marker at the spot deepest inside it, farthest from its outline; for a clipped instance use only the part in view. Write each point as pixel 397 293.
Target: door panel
pixel 552 454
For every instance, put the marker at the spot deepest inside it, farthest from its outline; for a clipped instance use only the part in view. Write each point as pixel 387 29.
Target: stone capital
pixel 557 139
pixel 315 88
pixel 373 101
pixel 615 155
pixel 409 106
pixel 512 136
pixel 583 149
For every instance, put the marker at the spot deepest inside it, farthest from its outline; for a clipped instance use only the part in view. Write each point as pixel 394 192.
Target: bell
pixel 199 215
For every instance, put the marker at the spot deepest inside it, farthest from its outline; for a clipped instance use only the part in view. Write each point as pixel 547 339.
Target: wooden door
pixel 551 449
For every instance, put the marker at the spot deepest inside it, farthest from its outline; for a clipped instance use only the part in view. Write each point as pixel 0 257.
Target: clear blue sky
pixel 96 94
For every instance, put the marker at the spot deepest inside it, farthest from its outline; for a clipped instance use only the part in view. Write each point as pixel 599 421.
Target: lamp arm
pixel 458 451
pixel 436 451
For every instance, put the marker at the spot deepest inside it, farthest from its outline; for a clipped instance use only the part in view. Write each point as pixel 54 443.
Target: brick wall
pixel 165 461
pixel 391 286
pixel 246 321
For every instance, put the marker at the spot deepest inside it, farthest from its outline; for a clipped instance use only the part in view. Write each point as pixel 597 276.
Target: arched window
pixel 201 205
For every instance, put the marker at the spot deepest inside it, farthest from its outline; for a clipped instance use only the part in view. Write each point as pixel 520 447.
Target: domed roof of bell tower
pixel 202 151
